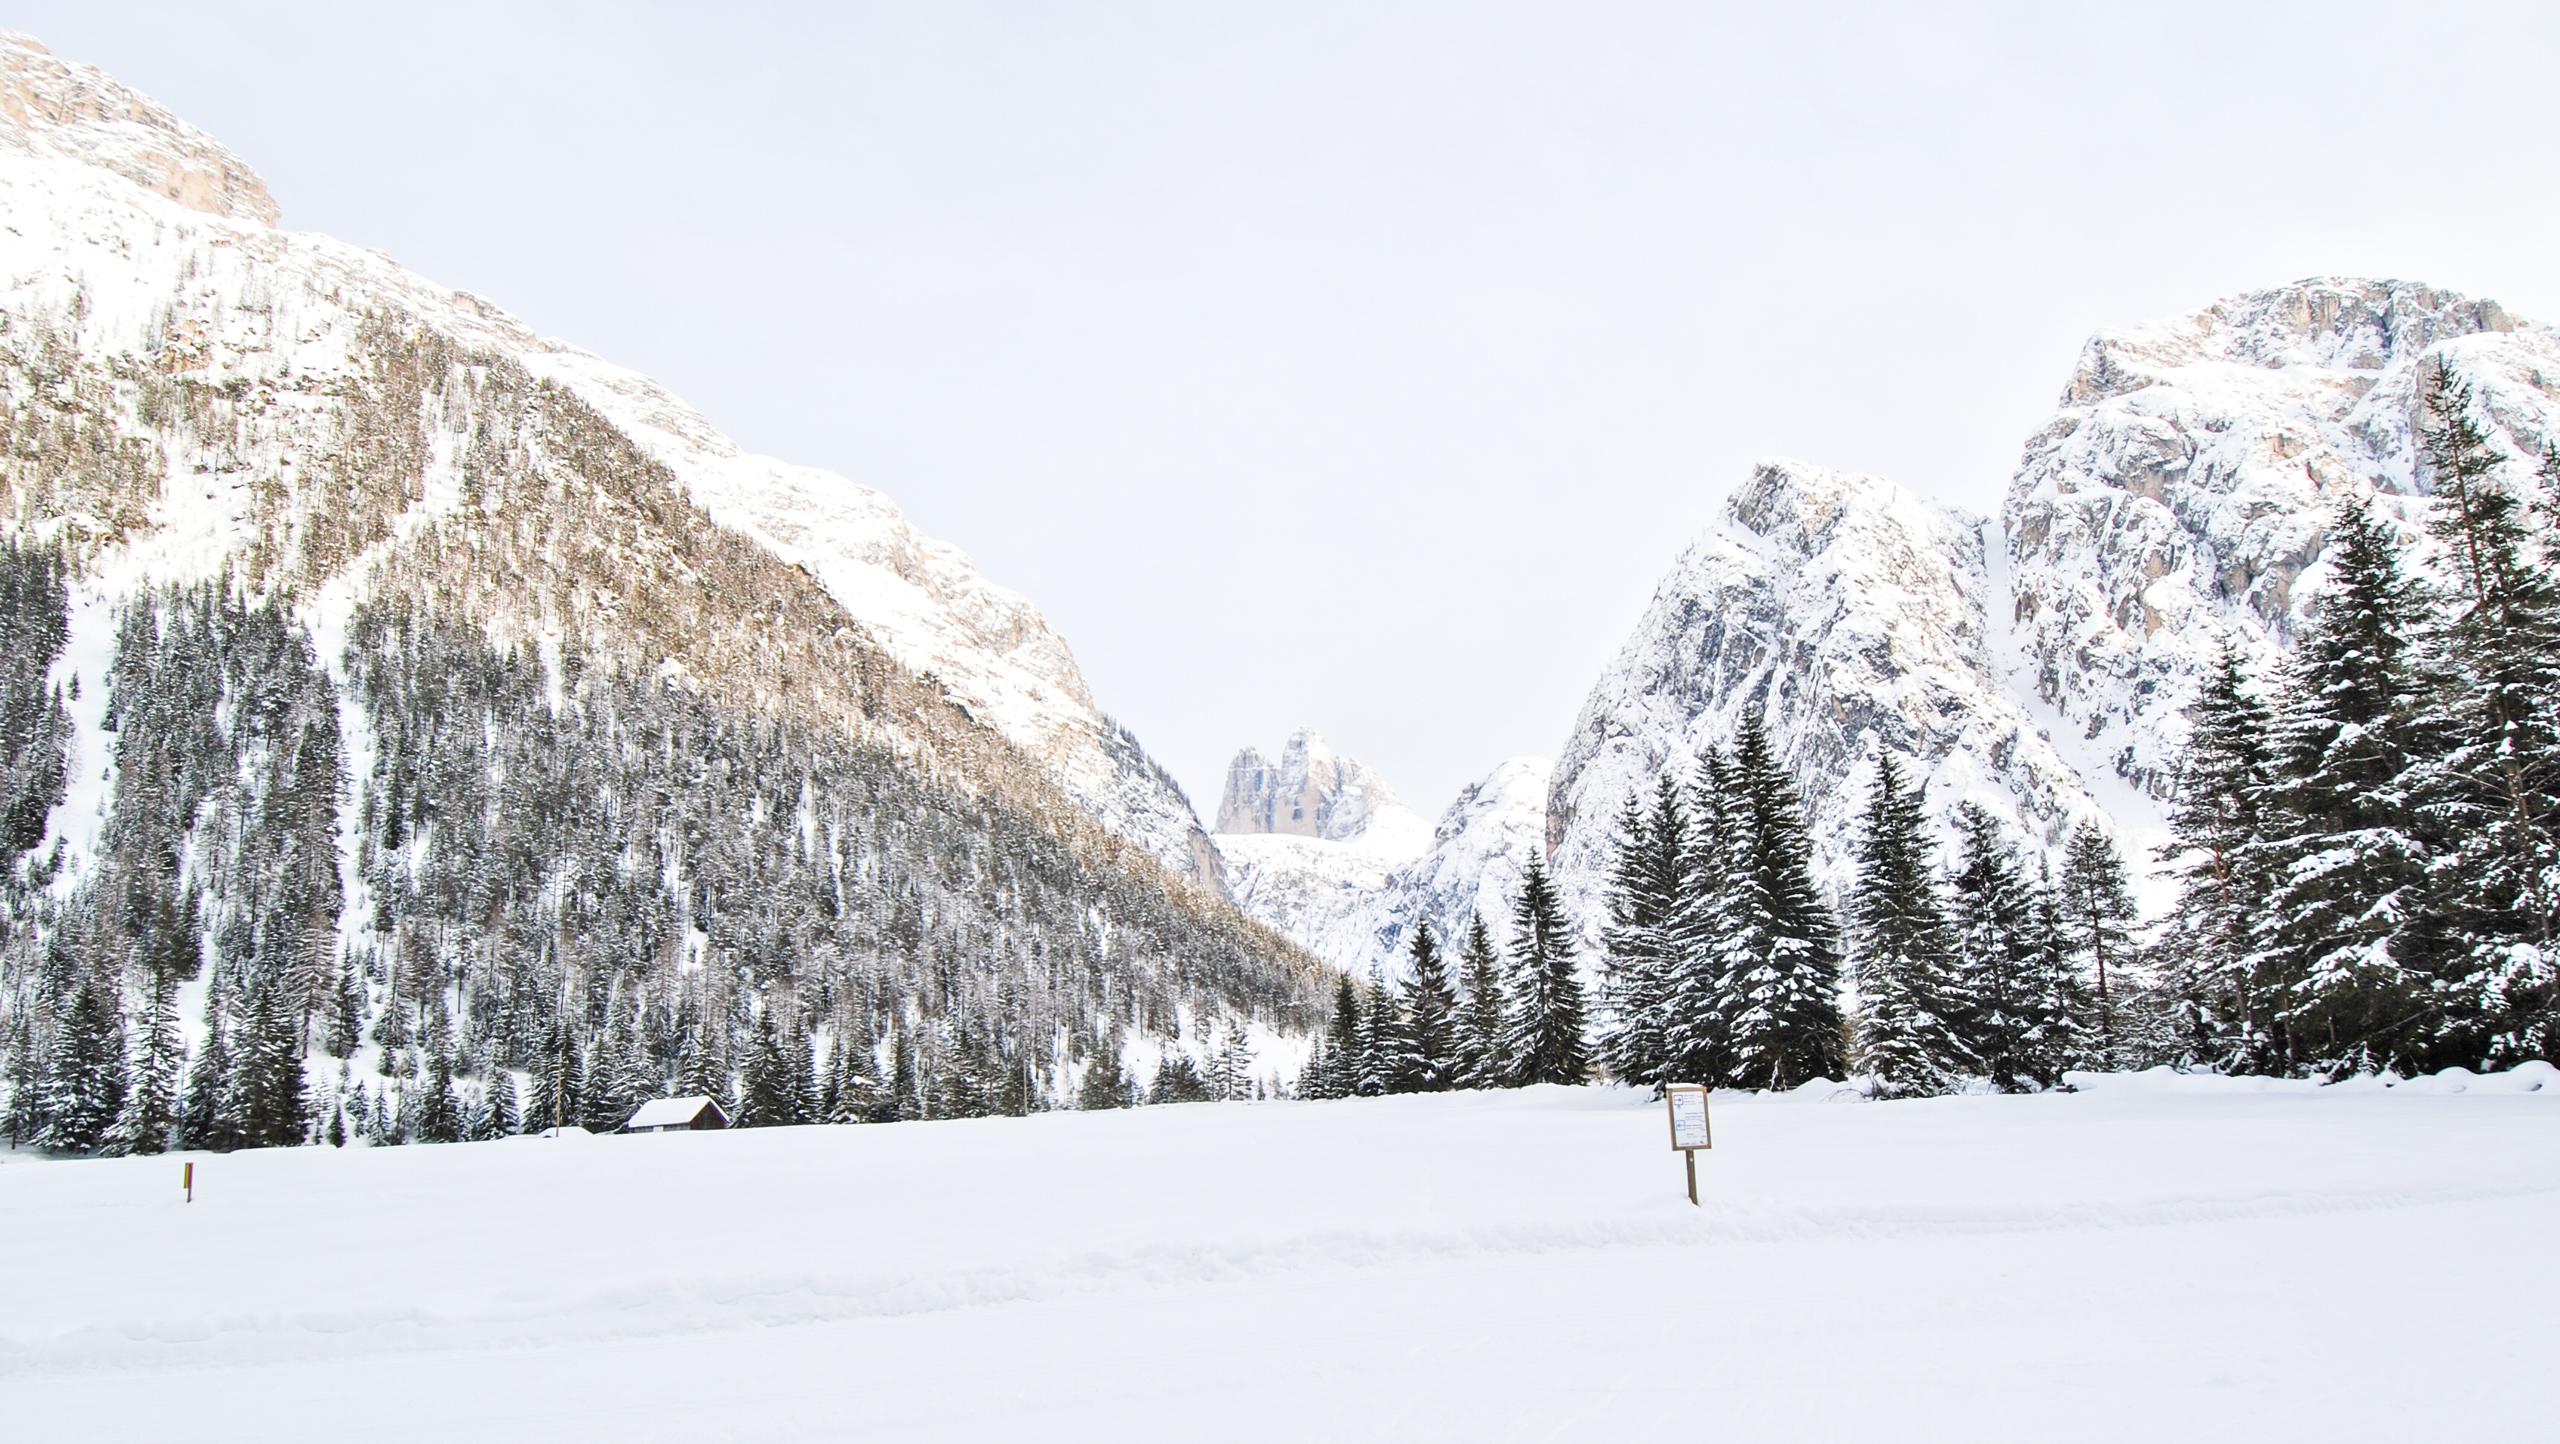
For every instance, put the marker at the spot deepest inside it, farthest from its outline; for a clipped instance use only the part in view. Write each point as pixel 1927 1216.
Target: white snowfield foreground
pixel 2152 1258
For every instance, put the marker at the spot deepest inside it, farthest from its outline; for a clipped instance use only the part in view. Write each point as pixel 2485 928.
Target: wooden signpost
pixel 1688 1105
pixel 191 1183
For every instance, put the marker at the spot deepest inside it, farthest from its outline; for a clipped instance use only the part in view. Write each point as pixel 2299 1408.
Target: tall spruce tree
pixel 1781 977
pixel 1544 1034
pixel 1431 1017
pixel 2226 1020
pixel 150 1116
pixel 270 1107
pixel 84 1070
pixel 1907 1032
pixel 1991 916
pixel 2098 914
pixel 2490 786
pixel 1641 942
pixel 208 1120
pixel 1483 1060
pixel 2348 862
pixel 1703 936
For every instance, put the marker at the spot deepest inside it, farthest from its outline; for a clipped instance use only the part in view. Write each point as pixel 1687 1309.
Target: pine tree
pixel 208 1120
pixel 1233 1063
pixel 84 1074
pixel 1544 1036
pixel 1377 1040
pixel 506 1109
pixel 1703 933
pixel 150 1116
pixel 1106 1082
pixel 1782 974
pixel 1641 941
pixel 2490 787
pixel 1334 1070
pixel 1431 1056
pixel 1483 1060
pixel 2221 836
pixel 2064 1036
pixel 1907 1038
pixel 2348 862
pixel 1991 916
pixel 2098 914
pixel 269 1104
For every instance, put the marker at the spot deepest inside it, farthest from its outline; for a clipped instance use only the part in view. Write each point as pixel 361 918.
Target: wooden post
pixel 191 1183
pixel 1691 1154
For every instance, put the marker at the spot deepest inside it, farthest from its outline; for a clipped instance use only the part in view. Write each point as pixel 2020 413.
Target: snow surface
pixel 2153 1258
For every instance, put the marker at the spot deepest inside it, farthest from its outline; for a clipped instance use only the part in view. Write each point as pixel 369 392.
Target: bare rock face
pixel 1316 847
pixel 79 113
pixel 1313 792
pixel 2180 500
pixel 1853 617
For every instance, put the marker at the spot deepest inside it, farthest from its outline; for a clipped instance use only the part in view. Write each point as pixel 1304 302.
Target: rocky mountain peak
pixel 1312 791
pixel 54 107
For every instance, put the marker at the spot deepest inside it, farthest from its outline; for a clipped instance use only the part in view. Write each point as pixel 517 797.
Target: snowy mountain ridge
pixel 1849 614
pixel 2179 501
pixel 139 238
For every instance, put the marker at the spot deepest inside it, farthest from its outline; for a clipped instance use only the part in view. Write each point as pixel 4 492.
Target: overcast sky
pixel 1366 365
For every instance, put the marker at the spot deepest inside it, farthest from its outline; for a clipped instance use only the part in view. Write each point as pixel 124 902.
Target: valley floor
pixel 2150 1259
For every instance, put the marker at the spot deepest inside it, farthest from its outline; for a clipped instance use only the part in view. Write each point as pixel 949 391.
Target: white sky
pixel 1365 365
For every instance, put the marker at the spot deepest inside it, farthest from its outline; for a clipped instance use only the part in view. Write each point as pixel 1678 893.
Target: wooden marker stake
pixel 1688 1105
pixel 191 1185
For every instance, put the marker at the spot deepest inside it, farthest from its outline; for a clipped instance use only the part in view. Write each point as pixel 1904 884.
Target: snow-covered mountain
pixel 2179 500
pixel 2177 503
pixel 1319 849
pixel 135 241
pixel 465 686
pixel 1852 616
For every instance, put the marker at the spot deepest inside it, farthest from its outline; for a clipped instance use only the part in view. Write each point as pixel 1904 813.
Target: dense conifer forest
pixel 541 892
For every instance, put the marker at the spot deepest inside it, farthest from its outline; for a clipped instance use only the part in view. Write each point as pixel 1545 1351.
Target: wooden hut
pixel 674 1115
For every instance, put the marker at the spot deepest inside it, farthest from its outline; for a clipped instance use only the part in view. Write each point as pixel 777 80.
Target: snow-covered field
pixel 2149 1259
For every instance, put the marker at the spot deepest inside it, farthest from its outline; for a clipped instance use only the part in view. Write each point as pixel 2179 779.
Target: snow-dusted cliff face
pixel 1853 617
pixel 1314 792
pixel 2179 501
pixel 1318 848
pixel 1309 841
pixel 300 411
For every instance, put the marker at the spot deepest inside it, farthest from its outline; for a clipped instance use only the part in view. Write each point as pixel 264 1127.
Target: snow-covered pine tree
pixel 83 1086
pixel 1233 1063
pixel 2491 789
pixel 1702 934
pixel 1377 1040
pixel 2064 1036
pixel 1545 1034
pixel 1640 943
pixel 1991 914
pixel 2221 839
pixel 1907 1031
pixel 506 1110
pixel 207 1119
pixel 1334 1069
pixel 1106 1082
pixel 268 1103
pixel 1782 971
pixel 2347 859
pixel 1482 1059
pixel 150 1115
pixel 1431 1022
pixel 2098 914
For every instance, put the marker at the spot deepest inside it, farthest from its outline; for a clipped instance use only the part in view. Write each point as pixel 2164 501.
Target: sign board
pixel 1688 1102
